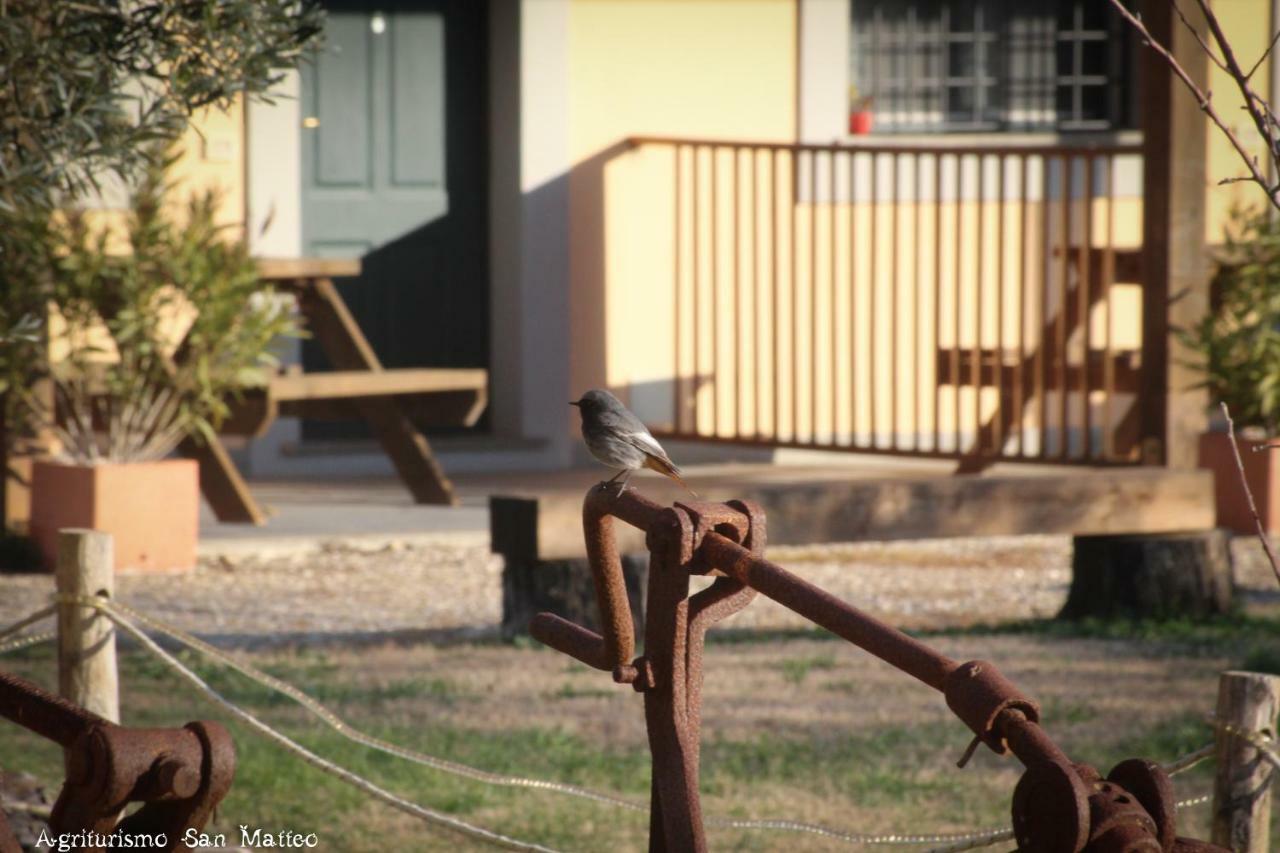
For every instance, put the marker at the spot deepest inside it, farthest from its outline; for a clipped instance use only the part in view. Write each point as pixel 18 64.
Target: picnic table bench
pixel 1044 367
pixel 359 387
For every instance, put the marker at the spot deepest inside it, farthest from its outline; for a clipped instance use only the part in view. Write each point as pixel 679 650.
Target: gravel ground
pixel 453 590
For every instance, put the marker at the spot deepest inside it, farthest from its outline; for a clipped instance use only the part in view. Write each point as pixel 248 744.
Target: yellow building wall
pixel 824 386
pixel 701 68
pixel 1249 26
pixel 213 157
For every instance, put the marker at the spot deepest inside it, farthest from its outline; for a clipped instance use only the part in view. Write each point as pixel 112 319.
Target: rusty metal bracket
pixel 179 775
pixel 1057 805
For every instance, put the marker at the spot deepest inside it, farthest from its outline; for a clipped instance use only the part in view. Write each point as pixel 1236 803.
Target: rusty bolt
pixel 174 776
pixel 638 674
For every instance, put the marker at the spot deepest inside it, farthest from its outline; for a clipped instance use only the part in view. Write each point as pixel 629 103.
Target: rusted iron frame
pixel 180 775
pixel 891 148
pixel 873 285
pixel 1058 805
pixel 677 380
pixel 748 441
pixel 670 673
pixel 814 203
pixel 978 306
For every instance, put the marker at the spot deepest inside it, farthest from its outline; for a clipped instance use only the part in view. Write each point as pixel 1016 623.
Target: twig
pixel 1203 98
pixel 1204 45
pixel 1253 508
pixel 1265 54
pixel 1266 127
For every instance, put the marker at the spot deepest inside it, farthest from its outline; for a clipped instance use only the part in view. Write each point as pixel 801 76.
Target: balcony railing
pixel 979 302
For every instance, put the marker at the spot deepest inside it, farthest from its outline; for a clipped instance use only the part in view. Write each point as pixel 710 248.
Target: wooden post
pixel 1249 702
pixel 87 638
pixel 1175 280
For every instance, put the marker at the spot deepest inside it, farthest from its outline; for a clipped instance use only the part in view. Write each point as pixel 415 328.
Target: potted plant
pixel 1238 349
pixel 149 332
pixel 860 115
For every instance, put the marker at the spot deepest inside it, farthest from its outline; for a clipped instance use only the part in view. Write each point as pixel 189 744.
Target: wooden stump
pixel 565 588
pixel 1157 576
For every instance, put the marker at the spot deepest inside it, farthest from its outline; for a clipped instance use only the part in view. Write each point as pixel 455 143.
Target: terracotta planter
pixel 860 122
pixel 151 508
pixel 1261 471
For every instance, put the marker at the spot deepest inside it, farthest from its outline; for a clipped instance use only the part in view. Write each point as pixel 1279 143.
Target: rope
pixel 339 725
pixel 1191 759
pixel 985 841
pixel 422 812
pixel 122 615
pixel 39 810
pixel 1263 744
pixel 26 641
pixel 43 613
pixel 336 723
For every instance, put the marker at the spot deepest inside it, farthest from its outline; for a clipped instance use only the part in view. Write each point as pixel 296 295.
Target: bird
pixel 617 438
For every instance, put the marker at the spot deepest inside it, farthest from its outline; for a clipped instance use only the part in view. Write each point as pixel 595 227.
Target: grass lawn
pixel 797 726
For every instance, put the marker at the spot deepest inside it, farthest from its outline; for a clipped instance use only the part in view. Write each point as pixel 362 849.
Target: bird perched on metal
pixel 619 439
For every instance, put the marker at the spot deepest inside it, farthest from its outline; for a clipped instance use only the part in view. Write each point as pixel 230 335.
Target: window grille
pixel 991 65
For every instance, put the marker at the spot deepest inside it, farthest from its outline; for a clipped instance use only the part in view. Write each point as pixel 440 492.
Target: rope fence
pixel 128 619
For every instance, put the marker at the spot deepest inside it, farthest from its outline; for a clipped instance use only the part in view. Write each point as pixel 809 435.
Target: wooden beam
pixel 220 482
pixel 1005 375
pixel 354 384
pixel 288 270
pixel 548 525
pixel 1128 265
pixel 440 409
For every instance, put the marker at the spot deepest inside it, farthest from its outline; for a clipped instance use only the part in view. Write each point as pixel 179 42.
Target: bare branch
pixel 1265 126
pixel 1244 484
pixel 1202 97
pixel 1204 45
pixel 1263 58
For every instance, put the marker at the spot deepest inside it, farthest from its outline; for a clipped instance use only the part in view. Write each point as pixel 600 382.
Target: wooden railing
pixel 979 302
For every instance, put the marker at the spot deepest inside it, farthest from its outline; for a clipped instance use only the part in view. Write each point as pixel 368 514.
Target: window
pixel 982 65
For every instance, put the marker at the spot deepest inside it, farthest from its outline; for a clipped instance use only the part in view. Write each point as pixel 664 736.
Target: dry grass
pixel 795 724
pixel 798 727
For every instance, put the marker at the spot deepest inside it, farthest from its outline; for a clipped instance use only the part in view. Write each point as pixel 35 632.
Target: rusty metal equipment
pixel 180 775
pixel 1058 806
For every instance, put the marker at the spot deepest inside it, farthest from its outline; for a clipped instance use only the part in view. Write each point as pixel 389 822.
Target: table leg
pixel 347 348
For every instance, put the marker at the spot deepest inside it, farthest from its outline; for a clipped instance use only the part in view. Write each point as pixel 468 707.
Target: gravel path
pixel 453 590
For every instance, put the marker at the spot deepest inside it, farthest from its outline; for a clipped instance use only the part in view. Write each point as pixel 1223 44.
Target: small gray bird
pixel 619 439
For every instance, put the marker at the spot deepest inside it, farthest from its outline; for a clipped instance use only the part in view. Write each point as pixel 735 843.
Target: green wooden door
pixel 394 171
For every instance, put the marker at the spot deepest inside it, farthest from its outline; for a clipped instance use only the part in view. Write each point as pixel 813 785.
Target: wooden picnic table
pixel 358 387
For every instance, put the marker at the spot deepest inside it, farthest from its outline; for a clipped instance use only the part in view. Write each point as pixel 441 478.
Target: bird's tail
pixel 667 469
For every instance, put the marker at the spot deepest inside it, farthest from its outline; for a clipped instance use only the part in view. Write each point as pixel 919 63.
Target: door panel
pixel 417 101
pixel 341 84
pixel 394 164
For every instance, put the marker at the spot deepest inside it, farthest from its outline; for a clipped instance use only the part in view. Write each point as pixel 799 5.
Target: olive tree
pixel 98 89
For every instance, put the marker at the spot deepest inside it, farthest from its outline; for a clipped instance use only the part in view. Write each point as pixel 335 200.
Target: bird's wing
pixel 647 444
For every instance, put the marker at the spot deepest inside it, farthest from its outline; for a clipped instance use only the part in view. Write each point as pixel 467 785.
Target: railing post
pixel 1247 702
pixel 86 637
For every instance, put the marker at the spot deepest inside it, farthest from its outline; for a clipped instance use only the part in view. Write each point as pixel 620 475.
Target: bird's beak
pixel 575 403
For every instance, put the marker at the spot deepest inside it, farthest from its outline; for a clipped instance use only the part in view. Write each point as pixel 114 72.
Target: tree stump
pixel 565 588
pixel 1155 576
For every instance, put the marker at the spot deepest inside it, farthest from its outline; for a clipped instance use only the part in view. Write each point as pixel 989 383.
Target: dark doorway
pixel 395 168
